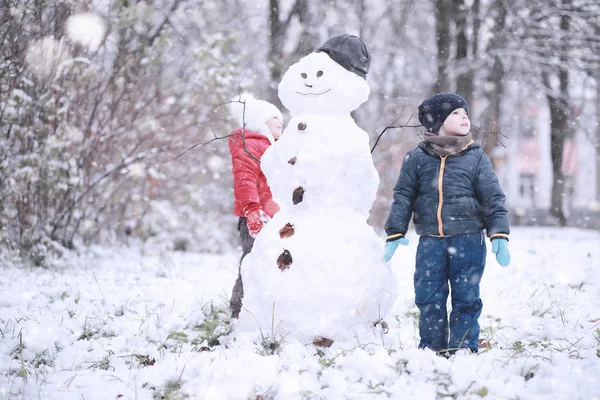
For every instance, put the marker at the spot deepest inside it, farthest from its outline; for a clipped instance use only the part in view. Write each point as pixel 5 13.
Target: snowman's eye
pixel 319 74
pixel 303 75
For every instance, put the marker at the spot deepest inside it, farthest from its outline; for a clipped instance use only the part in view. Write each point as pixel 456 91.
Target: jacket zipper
pixel 441 196
pixel 441 188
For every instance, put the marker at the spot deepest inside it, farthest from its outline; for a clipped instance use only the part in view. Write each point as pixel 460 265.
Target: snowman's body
pixel 336 280
pixel 330 160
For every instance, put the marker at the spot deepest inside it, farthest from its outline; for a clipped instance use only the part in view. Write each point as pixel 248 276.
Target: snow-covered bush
pixel 89 117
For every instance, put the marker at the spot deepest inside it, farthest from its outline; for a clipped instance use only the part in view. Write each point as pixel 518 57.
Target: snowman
pixel 315 271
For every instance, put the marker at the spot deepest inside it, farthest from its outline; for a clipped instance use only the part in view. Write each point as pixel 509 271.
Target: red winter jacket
pixel 249 183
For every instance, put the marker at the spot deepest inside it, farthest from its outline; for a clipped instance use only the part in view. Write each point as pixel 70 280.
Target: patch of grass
pixel 271 344
pixel 578 288
pixel 328 361
pixel 324 361
pixel 444 383
pixel 28 368
pixel 517 346
pixel 540 309
pixel 104 362
pixel 217 323
pixel 145 318
pixel 17 353
pixel 176 340
pixel 412 315
pixel 263 394
pixel 596 334
pixel 539 344
pixel 401 367
pixel 142 360
pixel 378 388
pixel 308 395
pixel 93 332
pixel 42 359
pixel 170 391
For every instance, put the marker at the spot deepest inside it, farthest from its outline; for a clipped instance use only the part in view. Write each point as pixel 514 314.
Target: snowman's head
pixel 317 84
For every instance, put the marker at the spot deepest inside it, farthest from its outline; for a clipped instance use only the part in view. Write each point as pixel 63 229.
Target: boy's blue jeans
pixel 449 263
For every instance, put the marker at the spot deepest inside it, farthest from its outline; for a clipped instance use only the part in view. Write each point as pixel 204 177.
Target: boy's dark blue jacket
pixel 451 195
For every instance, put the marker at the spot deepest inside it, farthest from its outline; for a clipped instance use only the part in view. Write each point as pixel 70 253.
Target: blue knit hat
pixel 434 110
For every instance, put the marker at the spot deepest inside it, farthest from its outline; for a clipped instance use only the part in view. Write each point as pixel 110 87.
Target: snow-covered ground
pixel 115 324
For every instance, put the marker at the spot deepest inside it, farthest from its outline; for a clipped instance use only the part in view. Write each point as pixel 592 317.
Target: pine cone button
pixel 286 231
pixel 298 195
pixel 301 126
pixel 292 161
pixel 284 260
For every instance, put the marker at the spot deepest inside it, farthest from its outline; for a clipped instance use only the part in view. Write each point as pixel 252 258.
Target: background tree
pixel 494 81
pixel 536 42
pixel 279 29
pixel 468 20
pixel 84 134
pixel 558 40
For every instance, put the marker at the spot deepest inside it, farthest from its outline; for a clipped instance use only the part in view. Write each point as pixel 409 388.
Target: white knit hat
pixel 255 114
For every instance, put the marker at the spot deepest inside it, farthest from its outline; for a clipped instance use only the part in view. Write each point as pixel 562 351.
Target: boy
pixel 448 186
pixel 261 124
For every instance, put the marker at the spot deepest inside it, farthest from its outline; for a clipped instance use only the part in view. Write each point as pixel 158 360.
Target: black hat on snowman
pixel 349 51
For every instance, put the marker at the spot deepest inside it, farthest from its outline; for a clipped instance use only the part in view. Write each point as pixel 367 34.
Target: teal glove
pixel 500 248
pixel 390 248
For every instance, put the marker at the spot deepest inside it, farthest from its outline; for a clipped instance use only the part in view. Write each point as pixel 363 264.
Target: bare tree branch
pixel 215 138
pixel 392 126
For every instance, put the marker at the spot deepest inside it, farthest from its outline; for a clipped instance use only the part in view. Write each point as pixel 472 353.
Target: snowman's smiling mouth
pixel 314 94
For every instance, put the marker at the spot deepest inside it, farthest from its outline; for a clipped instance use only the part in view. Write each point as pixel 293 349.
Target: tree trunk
pixel 464 80
pixel 559 125
pixel 558 128
pixel 492 120
pixel 475 12
pixel 278 28
pixel 275 57
pixel 597 141
pixel 443 16
pixel 490 133
pixel 598 165
pixel 308 36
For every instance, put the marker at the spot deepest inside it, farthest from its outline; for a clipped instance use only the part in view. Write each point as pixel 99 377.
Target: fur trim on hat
pixel 252 114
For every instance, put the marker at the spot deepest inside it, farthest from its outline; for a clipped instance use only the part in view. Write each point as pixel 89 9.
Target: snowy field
pixel 115 324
